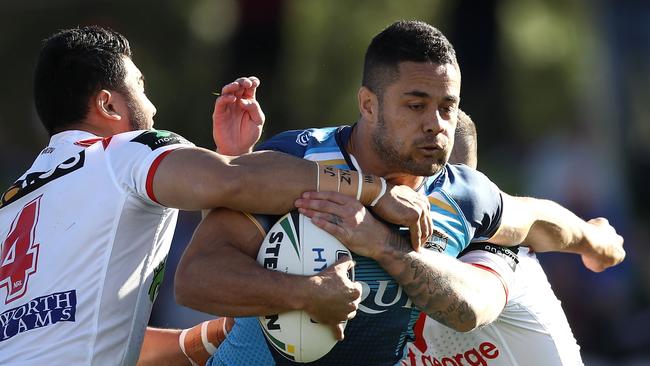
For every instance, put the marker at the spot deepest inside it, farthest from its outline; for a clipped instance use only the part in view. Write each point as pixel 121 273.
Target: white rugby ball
pixel 295 245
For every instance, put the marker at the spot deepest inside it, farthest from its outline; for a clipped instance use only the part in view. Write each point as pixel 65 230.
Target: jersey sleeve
pixel 479 200
pixel 134 156
pixel 292 142
pixel 500 261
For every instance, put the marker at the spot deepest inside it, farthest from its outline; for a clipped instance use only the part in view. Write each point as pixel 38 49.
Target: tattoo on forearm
pixel 430 289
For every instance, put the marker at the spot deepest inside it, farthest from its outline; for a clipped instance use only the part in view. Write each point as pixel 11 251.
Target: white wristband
pixel 338 180
pixel 359 188
pixel 381 194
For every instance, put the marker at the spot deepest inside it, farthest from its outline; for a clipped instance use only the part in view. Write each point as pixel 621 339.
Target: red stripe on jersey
pixel 106 141
pixel 152 173
pixel 503 283
pixel 418 328
pixel 87 142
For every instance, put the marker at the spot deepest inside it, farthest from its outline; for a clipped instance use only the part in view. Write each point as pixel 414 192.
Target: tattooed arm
pixel 457 294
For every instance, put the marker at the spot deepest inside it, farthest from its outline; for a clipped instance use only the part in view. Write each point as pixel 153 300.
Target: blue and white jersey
pixel 465 205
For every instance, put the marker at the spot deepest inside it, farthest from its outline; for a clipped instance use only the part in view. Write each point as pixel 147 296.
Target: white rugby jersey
pixel 532 330
pixel 84 244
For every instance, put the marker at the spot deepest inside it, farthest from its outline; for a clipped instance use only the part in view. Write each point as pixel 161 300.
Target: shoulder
pixel 153 139
pixel 468 186
pixel 478 198
pixel 462 176
pixel 297 142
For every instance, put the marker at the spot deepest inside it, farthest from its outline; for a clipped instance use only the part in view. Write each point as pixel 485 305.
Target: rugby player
pixel 86 230
pixel 408 102
pixel 531 330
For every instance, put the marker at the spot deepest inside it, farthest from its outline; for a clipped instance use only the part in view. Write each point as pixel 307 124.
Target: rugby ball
pixel 295 245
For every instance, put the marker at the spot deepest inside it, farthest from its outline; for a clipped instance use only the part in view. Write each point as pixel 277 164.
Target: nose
pixel 434 124
pixel 152 107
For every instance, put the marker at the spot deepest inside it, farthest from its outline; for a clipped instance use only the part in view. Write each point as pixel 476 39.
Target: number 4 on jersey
pixel 20 252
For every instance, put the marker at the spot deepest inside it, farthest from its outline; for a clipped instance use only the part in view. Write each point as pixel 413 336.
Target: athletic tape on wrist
pixel 225 330
pixel 381 193
pixel 204 338
pixel 181 342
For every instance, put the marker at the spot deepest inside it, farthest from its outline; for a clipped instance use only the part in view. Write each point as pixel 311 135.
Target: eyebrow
pixel 417 93
pixel 421 94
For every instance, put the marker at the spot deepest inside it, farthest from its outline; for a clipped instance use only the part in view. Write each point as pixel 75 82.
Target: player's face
pixel 140 109
pixel 417 117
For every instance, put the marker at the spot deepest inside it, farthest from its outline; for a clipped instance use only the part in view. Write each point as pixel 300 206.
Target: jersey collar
pixel 71 137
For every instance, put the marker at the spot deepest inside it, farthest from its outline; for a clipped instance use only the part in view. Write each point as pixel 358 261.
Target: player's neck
pixel 102 127
pixel 360 147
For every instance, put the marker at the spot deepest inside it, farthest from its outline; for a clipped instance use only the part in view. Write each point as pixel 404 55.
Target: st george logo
pixel 19 254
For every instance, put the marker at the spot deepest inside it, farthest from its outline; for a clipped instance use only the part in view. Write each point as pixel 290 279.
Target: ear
pixel 368 104
pixel 104 103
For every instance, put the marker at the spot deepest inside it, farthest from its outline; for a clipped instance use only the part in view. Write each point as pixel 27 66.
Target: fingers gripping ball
pixel 295 245
pixel 201 341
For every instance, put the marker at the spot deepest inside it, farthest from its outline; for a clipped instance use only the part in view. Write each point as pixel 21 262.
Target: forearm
pixel 541 224
pixel 161 348
pixel 453 293
pixel 228 282
pixel 556 229
pixel 264 182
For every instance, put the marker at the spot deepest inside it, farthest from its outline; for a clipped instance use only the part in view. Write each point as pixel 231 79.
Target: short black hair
pixel 406 40
pixel 73 65
pixel 465 142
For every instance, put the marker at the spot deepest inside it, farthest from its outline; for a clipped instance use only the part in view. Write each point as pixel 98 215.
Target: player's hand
pixel 347 219
pixel 403 206
pixel 335 297
pixel 237 120
pixel 604 245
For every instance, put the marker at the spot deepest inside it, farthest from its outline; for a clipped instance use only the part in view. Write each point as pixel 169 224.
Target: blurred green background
pixel 559 90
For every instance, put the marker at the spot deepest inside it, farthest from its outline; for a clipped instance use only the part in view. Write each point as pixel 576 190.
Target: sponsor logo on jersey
pixel 303 138
pixel 37 313
pixel 508 254
pixel 477 356
pixel 155 139
pixel 380 296
pixel 158 275
pixel 437 241
pixel 36 180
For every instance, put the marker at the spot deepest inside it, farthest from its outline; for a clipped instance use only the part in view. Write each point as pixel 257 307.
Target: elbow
pixel 477 315
pixel 465 318
pixel 186 292
pixel 228 189
pixel 467 322
pixel 182 289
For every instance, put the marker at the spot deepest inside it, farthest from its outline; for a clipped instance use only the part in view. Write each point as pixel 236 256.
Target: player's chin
pixel 425 170
pixel 428 166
